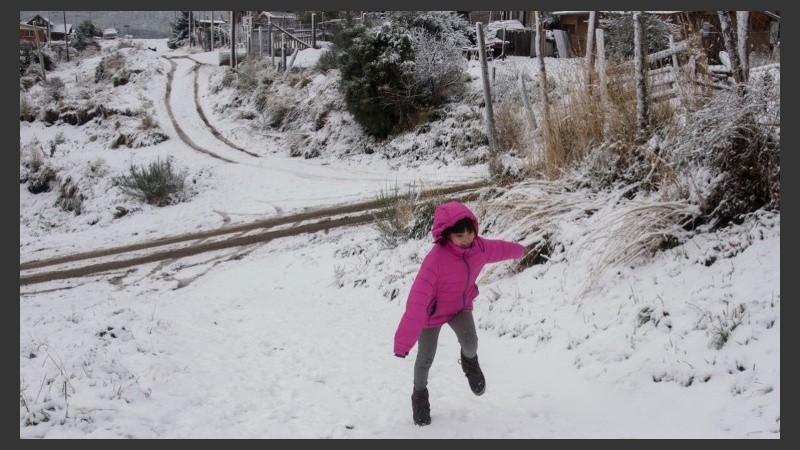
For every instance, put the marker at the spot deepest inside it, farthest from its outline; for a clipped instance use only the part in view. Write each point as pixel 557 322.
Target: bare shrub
pixel 404 215
pixel 328 60
pixel 57 140
pixel 147 121
pixel 31 155
pixel 25 83
pixel 510 120
pixel 297 143
pixel 298 80
pixel 262 99
pixel 280 113
pixel 109 66
pixel 157 184
pixel 248 75
pixel 228 78
pixel 632 231
pixel 34 169
pixel 69 197
pixel 728 154
pixel 39 181
pixel 55 89
pixel 589 116
pixel 575 124
pixel 27 111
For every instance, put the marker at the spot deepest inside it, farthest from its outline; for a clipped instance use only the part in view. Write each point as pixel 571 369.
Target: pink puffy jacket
pixel 445 284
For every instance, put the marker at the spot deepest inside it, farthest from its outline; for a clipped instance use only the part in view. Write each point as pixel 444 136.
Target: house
pixel 110 33
pixel 518 28
pixel 60 31
pixel 517 38
pixel 41 22
pixel 284 19
pixel 204 24
pixel 26 33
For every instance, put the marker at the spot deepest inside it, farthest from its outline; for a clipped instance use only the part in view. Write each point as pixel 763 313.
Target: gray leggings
pixel 464 327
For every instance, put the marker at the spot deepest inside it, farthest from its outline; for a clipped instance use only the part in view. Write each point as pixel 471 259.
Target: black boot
pixel 473 372
pixel 421 407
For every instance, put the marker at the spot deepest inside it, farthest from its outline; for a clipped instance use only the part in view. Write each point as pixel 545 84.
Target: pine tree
pixel 180 28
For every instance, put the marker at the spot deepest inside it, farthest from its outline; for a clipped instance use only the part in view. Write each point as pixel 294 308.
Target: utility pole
pixel 190 30
pixel 233 39
pixel 313 32
pixel 39 51
pixel 66 35
pixel 271 43
pixel 487 92
pixel 212 30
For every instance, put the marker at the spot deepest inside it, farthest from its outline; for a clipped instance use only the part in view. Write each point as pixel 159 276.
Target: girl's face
pixel 463 239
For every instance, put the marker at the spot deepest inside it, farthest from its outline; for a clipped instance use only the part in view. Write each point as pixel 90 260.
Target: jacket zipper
pixel 464 293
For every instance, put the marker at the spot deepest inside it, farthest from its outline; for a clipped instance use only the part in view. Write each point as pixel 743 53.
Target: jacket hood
pixel 447 214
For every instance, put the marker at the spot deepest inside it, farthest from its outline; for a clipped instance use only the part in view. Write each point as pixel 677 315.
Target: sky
pixel 293 338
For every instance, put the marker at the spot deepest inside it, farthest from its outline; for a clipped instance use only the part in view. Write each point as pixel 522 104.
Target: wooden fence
pixel 668 78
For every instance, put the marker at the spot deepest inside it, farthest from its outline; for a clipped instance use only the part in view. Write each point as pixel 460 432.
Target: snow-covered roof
pixel 278 14
pixel 59 28
pixel 510 25
pixel 207 21
pixel 569 13
pixel 39 16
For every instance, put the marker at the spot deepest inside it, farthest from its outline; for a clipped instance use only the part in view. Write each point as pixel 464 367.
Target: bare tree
pixel 590 43
pixel 490 129
pixel 742 34
pixel 640 65
pixel 438 63
pixel 733 54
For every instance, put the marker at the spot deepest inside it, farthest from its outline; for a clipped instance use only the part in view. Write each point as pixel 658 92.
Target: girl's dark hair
pixel 465 224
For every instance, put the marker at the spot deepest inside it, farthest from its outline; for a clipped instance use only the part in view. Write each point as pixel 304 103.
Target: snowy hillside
pixel 292 338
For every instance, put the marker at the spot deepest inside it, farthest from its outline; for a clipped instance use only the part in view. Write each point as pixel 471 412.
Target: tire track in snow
pixel 181 134
pixel 361 213
pixel 203 117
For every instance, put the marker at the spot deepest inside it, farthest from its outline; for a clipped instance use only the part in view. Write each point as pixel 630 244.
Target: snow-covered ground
pixel 293 338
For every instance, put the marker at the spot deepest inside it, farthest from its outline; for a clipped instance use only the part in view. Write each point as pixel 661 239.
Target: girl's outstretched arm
pixel 499 250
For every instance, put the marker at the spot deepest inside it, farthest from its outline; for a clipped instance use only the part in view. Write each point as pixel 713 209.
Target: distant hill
pixel 140 24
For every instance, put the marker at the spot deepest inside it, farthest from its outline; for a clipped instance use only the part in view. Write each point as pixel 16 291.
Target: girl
pixel 443 292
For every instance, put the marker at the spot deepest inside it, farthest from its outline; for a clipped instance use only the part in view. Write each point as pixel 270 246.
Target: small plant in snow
pixel 55 142
pixel 147 121
pixel 725 324
pixel 157 184
pixel 55 89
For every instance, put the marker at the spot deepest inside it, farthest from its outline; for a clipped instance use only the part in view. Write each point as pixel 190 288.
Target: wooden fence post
pixel 271 46
pixel 487 92
pixel 601 62
pixel 527 101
